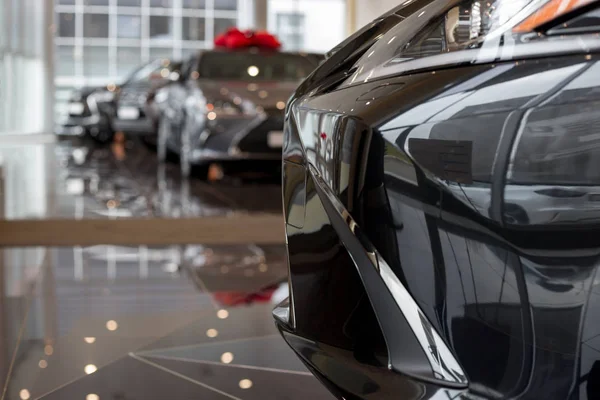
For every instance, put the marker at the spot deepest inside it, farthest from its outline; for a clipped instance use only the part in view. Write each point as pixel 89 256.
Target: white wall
pixel 325 21
pixel 368 10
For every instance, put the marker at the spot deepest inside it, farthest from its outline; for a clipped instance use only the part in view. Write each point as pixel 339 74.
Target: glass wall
pixel 23 67
pixel 308 25
pixel 101 41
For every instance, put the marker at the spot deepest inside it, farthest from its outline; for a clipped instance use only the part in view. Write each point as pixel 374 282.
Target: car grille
pixel 133 98
pixel 256 140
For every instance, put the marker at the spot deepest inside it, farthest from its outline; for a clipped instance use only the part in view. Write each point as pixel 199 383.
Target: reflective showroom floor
pixel 117 322
pixel 100 181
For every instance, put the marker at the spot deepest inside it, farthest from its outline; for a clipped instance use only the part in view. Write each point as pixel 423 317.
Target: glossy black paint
pixel 478 187
pixel 92 118
pixel 137 93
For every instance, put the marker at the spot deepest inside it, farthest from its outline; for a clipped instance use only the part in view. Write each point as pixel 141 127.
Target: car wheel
pixel 201 171
pixel 150 141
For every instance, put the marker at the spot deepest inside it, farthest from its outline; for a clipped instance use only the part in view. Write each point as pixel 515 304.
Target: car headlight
pixel 103 96
pixel 473 22
pixel 468 23
pixel 474 31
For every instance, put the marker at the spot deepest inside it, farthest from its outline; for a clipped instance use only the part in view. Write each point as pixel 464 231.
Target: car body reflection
pixel 441 215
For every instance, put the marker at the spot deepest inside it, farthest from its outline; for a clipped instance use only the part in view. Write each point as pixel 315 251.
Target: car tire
pixel 200 171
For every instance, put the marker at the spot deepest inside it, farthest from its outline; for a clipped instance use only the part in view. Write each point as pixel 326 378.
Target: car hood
pixel 262 94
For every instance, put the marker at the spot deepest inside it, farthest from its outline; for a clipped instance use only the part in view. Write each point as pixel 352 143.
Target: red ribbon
pixel 236 39
pixel 238 298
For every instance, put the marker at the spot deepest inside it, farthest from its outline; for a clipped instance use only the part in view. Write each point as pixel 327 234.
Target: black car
pixel 442 205
pixel 131 112
pixel 90 113
pixel 229 104
pixel 98 112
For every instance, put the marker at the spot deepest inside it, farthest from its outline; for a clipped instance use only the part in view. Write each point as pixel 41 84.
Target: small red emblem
pixel 323 136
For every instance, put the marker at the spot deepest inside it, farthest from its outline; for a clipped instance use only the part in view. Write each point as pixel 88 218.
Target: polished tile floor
pixel 132 323
pixel 92 182
pixel 136 323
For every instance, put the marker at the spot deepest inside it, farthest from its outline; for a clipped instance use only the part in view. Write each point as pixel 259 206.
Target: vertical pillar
pixel 48 31
pixel 48 306
pixel 261 14
pixel 350 17
pixel 48 58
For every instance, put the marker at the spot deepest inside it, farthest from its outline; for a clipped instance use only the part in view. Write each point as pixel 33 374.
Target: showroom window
pixel 290 29
pixel 195 4
pixel 65 60
pixel 102 41
pixel 95 60
pixel 222 24
pixel 161 27
pixel 129 3
pixel 193 28
pixel 66 25
pixel 225 4
pixel 161 3
pixel 96 2
pixel 302 25
pixel 129 26
pixel 129 59
pixel 95 25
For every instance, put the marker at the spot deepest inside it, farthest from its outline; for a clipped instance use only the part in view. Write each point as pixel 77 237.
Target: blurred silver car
pixel 229 105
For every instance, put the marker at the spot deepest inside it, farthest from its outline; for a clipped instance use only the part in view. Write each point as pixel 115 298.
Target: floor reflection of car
pixel 230 104
pixel 232 299
pixel 131 116
pixel 441 176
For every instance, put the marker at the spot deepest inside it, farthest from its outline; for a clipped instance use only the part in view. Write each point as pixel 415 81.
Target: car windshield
pixel 154 70
pixel 247 66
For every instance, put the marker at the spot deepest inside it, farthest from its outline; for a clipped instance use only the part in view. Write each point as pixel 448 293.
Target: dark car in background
pixel 317 58
pixel 98 112
pixel 131 112
pixel 441 185
pixel 90 113
pixel 229 104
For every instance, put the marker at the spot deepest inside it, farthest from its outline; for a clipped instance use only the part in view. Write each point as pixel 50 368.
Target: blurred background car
pixel 99 112
pixel 229 103
pixel 132 96
pixel 90 113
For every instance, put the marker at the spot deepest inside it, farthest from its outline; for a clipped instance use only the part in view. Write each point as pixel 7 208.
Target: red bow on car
pixel 236 39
